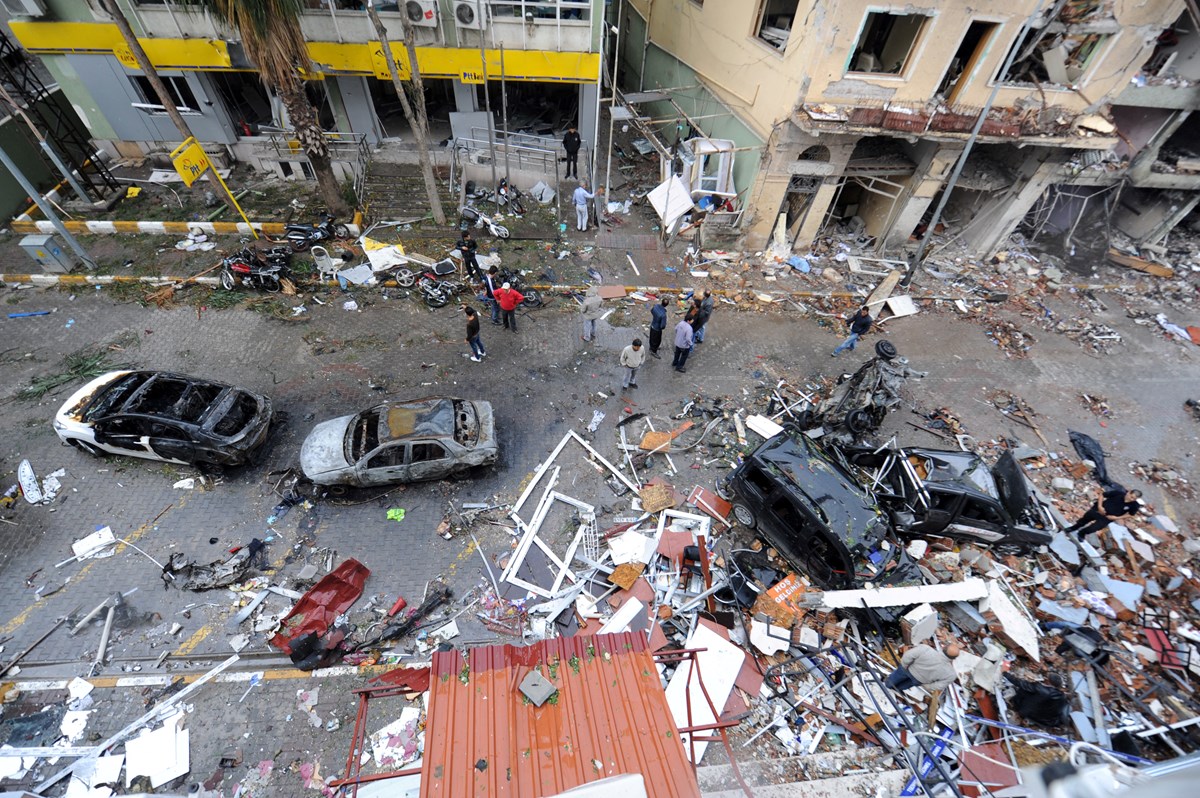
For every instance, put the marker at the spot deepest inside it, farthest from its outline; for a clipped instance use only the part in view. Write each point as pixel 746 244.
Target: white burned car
pixel 401 441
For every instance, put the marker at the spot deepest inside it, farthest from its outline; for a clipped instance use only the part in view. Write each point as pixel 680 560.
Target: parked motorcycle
pixel 302 236
pixel 262 270
pixel 480 219
pixel 510 196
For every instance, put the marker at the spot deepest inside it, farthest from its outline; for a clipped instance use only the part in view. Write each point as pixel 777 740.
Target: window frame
pixel 910 57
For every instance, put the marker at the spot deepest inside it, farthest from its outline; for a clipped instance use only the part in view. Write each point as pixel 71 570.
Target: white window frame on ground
pixel 775 8
pixel 540 12
pixel 856 53
pixel 155 109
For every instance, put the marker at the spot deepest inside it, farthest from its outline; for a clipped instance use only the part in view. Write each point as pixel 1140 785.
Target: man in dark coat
pixel 467 246
pixel 571 143
pixel 859 324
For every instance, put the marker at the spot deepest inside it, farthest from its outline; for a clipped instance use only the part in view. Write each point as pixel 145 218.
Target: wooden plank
pixel 1141 265
pixel 885 288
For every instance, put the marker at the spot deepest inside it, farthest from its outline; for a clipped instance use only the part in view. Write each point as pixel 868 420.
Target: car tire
pixel 886 350
pixel 460 471
pixel 84 446
pixel 744 515
pixel 858 421
pixel 805 419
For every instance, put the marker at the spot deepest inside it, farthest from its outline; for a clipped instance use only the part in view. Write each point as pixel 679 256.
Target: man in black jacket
pixel 859 324
pixel 571 143
pixel 467 246
pixel 1111 505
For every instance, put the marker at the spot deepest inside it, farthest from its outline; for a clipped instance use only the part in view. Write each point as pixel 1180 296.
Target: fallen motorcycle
pixel 532 298
pixel 480 219
pixel 262 270
pixel 302 236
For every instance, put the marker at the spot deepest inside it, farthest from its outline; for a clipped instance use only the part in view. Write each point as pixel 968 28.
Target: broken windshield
pixel 114 396
pixel 364 434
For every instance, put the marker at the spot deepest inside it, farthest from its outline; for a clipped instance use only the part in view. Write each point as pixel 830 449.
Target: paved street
pixel 542 381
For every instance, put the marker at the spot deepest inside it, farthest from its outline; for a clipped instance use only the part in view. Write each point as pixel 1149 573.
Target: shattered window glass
pixel 239 414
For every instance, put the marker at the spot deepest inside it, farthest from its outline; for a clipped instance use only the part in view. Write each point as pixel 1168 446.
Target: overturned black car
pixel 810 507
pixel 953 493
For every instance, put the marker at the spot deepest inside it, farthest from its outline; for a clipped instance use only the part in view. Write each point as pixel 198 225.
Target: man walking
pixel 571 143
pixel 1111 505
pixel 658 323
pixel 508 299
pixel 683 345
pixel 859 324
pixel 581 197
pixel 467 246
pixel 632 358
pixel 704 310
pixel 477 351
pixel 592 310
pixel 924 666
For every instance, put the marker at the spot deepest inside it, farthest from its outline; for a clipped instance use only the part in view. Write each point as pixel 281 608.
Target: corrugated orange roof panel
pixel 609 717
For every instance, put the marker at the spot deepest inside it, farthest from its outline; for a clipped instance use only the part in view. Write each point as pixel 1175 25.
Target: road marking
pixel 189 645
pixel 236 677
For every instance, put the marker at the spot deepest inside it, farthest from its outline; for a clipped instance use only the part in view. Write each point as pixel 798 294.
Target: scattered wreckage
pixel 159 415
pixel 401 441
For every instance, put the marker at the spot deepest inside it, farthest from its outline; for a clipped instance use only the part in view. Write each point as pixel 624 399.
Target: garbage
pixel 220 573
pixel 308 635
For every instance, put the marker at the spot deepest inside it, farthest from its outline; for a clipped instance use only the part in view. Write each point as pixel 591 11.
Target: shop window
pixel 886 42
pixel 177 88
pixel 774 24
pixel 1057 58
pixel 535 11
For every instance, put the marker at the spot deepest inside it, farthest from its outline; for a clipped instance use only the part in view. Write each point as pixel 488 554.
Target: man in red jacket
pixel 508 299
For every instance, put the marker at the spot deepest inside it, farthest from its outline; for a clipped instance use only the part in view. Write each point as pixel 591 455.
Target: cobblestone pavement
pixel 542 381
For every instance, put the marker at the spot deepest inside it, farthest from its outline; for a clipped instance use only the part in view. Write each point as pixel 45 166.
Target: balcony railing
pixel 935 118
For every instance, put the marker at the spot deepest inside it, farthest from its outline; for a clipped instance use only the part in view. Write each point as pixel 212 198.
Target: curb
pixel 159 228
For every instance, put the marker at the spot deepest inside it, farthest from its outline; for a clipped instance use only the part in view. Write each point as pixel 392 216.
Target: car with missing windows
pixel 803 501
pixel 401 441
pixel 159 415
pixel 956 494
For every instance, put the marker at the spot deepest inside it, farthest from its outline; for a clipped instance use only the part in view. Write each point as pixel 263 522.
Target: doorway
pixel 972 47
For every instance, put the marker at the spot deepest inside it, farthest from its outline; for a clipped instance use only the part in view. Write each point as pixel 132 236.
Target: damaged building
pixel 848 119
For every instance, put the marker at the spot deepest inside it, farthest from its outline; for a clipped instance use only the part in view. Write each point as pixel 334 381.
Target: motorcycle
pixel 302 236
pixel 480 219
pixel 508 195
pixel 532 298
pixel 432 283
pixel 261 270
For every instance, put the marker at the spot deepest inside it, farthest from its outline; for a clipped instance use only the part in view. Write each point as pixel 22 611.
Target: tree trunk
pixel 316 146
pixel 414 111
pixel 164 97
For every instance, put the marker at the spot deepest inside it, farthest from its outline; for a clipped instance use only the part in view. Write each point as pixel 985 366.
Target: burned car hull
pixel 165 416
pixel 956 494
pixel 859 402
pixel 813 512
pixel 401 441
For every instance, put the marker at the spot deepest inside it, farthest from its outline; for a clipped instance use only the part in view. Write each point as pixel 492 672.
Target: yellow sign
pixel 190 161
pixel 126 57
pixel 470 76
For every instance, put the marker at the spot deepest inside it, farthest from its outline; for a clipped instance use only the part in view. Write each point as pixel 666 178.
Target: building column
pixel 1175 215
pixel 350 98
pixel 933 167
pixel 589 120
pixel 466 98
pixel 764 201
pixel 1140 166
pixel 992 232
pixel 814 220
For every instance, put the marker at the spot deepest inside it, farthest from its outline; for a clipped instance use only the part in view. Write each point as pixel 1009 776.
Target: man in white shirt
pixel 632 358
pixel 581 197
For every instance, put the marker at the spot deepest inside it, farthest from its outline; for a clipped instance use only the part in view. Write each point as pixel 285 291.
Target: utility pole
pixel 46 208
pixel 67 172
pixel 504 109
pixel 487 106
pixel 918 258
pixel 616 56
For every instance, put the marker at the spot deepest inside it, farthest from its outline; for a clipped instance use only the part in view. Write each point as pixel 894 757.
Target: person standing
pixel 581 197
pixel 632 358
pixel 473 340
pixel 491 281
pixel 467 246
pixel 859 324
pixel 658 323
pixel 683 345
pixel 571 143
pixel 704 310
pixel 1111 505
pixel 508 298
pixel 924 666
pixel 592 310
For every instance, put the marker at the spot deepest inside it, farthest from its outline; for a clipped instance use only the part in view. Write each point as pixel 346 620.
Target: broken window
pixel 177 89
pixel 243 410
pixel 775 22
pixel 424 452
pixel 388 457
pixel 1059 57
pixel 886 42
pixel 969 51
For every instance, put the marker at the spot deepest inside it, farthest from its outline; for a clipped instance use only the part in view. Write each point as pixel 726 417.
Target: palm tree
pixel 414 111
pixel 273 41
pixel 160 89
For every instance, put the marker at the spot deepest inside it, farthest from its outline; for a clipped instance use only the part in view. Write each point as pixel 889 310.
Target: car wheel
pixel 405 278
pixel 744 515
pixel 886 350
pixel 460 471
pixel 858 421
pixel 805 419
pixel 84 446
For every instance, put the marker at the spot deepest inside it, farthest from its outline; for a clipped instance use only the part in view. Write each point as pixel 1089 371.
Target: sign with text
pixel 190 161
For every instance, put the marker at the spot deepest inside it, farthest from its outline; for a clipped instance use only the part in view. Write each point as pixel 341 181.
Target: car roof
pixel 848 509
pixel 956 464
pixel 431 417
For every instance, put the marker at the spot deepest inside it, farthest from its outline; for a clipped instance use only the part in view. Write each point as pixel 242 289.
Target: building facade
pixel 546 56
pixel 853 114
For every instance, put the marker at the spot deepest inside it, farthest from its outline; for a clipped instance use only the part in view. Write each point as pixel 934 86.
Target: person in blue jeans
pixel 658 323
pixel 477 350
pixel 491 281
pixel 704 309
pixel 859 324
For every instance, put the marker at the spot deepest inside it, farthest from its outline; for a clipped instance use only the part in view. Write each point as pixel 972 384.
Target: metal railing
pixel 351 148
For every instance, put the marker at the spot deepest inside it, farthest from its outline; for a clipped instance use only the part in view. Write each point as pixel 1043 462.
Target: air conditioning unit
pixel 471 15
pixel 422 13
pixel 27 8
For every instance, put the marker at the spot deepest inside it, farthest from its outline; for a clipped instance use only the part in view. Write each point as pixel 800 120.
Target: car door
pixel 172 441
pixel 385 465
pixel 428 460
pixel 128 435
pixel 943 506
pixel 979 518
pixel 806 542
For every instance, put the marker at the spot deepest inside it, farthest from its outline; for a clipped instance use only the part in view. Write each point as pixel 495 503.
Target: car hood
pixel 74 404
pixel 324 449
pixel 1011 484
